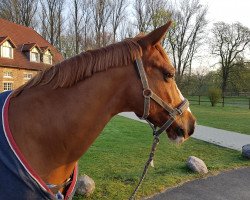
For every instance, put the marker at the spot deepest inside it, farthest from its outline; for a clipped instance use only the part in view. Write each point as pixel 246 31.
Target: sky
pixel 228 11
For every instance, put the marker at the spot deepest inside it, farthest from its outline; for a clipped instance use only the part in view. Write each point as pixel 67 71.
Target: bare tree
pixel 239 77
pixel 52 20
pixel 68 44
pixel 77 22
pixel 86 27
pixel 101 10
pixel 142 14
pixel 117 15
pixel 127 30
pixel 60 22
pixel 150 14
pixel 19 11
pixel 229 43
pixel 186 34
pixel 78 35
pixel 159 12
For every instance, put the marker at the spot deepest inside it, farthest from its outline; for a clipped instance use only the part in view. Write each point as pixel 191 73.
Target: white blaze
pixel 182 98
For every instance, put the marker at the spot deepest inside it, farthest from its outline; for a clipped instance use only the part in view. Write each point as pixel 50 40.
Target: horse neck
pixel 99 99
pixel 68 120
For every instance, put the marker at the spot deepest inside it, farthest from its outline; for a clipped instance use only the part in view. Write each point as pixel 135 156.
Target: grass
pixel 227 118
pixel 241 102
pixel 116 159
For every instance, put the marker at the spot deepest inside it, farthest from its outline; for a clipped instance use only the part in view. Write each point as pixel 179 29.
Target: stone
pixel 197 165
pixel 85 186
pixel 246 151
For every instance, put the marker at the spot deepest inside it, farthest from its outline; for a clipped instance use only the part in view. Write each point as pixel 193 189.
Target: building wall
pixel 18 77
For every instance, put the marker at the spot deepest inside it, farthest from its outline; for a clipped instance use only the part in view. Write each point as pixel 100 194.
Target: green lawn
pixel 227 118
pixel 116 159
pixel 240 102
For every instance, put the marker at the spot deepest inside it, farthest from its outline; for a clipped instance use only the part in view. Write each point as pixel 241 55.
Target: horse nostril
pixel 180 132
pixel 191 129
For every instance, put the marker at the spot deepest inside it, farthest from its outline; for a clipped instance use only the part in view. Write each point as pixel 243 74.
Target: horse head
pixel 166 107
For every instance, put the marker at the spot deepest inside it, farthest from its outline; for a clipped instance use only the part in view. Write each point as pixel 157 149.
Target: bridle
pixel 149 94
pixel 173 113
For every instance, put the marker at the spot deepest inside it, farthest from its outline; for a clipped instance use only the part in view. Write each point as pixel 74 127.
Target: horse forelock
pixel 70 71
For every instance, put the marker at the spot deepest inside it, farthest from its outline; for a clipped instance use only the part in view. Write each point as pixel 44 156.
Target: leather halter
pixel 149 94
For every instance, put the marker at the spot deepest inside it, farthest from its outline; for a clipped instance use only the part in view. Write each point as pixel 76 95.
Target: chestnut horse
pixel 55 117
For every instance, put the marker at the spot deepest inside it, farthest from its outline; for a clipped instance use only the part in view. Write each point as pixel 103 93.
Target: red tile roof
pixel 24 37
pixel 5 38
pixel 45 48
pixel 2 39
pixel 29 46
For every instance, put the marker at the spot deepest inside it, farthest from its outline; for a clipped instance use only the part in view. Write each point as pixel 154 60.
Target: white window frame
pixel 34 55
pixel 27 76
pixel 7 74
pixel 47 57
pixel 7 86
pixel 6 50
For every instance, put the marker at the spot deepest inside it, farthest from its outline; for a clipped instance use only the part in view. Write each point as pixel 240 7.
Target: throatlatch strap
pixel 142 73
pixel 145 86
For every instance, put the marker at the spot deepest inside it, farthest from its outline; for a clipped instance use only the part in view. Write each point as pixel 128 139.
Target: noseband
pixel 149 94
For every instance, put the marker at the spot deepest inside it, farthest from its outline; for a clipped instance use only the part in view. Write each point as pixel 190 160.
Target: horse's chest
pixel 15 181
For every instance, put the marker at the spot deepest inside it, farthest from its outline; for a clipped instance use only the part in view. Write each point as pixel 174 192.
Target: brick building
pixel 23 53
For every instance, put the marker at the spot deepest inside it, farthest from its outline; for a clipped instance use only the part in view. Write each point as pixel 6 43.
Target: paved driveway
pixel 231 185
pixel 220 137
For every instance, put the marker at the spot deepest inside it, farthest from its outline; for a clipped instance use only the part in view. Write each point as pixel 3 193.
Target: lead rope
pixel 150 159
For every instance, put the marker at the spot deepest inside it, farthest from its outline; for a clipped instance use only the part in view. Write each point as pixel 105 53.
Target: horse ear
pixel 155 36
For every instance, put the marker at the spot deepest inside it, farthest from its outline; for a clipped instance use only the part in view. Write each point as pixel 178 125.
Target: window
pixel 7 86
pixel 6 50
pixel 7 74
pixel 27 76
pixel 34 55
pixel 47 58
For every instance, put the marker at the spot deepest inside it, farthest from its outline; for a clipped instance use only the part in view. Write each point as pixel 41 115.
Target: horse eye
pixel 167 76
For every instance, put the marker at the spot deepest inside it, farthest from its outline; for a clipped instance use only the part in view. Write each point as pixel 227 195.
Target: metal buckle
pixel 172 115
pixel 179 111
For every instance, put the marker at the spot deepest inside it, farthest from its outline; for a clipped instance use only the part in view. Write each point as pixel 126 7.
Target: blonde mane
pixel 75 69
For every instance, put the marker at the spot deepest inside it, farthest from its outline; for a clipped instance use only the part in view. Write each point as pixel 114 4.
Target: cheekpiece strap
pixel 146 90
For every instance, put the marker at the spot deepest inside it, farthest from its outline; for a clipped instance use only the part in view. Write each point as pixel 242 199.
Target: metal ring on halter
pixel 147 93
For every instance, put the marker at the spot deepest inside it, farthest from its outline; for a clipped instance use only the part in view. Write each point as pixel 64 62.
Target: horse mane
pixel 70 71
